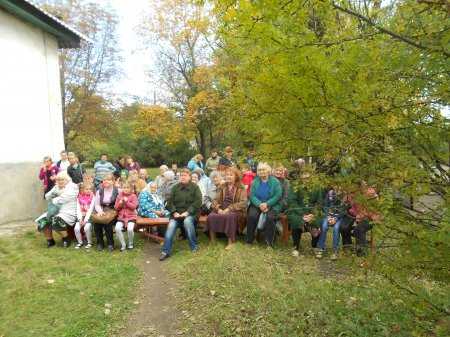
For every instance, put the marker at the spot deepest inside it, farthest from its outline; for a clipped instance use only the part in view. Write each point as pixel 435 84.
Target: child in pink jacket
pixel 126 204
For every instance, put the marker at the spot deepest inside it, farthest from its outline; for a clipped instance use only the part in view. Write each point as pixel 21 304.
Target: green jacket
pixel 275 193
pixel 185 198
pixel 303 202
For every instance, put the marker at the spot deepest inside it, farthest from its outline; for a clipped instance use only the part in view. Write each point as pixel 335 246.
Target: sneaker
pixel 110 248
pixel 130 246
pixel 100 248
pixel 295 253
pixel 319 254
pixel 88 246
pixel 123 248
pixel 78 245
pixel 163 256
pixel 333 257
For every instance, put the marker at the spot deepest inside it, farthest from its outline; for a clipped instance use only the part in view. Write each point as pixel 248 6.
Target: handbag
pixel 108 216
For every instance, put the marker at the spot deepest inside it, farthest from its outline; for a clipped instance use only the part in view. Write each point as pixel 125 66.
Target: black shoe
pixel 163 256
pixel 99 247
pixel 66 242
pixel 110 248
pixel 50 243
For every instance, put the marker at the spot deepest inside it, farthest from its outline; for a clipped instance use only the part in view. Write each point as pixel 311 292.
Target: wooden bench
pixel 146 224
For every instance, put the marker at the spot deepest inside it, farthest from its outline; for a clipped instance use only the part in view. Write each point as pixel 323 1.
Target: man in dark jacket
pixel 184 205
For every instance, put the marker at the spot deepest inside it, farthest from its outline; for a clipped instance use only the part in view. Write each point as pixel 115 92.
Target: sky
pixel 137 62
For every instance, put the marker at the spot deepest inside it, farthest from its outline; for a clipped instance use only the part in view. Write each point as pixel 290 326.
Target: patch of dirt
pixel 15 228
pixel 156 313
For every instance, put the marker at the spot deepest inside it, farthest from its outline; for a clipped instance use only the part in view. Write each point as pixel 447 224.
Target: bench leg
pixel 286 232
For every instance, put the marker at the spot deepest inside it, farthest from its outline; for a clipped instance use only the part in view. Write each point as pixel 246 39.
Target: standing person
pixel 63 163
pixel 105 199
pixel 228 207
pixel 333 213
pixel 227 159
pixel 174 168
pixel 47 174
pixel 75 170
pixel 304 211
pixel 247 177
pixel 132 165
pixel 126 204
pixel 195 163
pixel 85 207
pixel 62 199
pixel 265 195
pixel 121 167
pixel 184 206
pixel 102 168
pixel 251 161
pixel 212 163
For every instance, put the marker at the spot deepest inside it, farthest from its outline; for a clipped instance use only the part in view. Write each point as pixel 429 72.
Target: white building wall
pixel 30 93
pixel 30 115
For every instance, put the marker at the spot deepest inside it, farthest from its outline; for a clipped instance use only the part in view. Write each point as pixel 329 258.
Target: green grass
pixel 251 291
pixel 74 304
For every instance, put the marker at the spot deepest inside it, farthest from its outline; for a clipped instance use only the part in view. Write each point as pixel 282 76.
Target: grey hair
pixel 169 175
pixel 164 167
pixel 213 175
pixel 264 165
pixel 63 175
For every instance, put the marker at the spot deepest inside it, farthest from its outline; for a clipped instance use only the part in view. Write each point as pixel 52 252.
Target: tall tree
pixel 87 71
pixel 182 32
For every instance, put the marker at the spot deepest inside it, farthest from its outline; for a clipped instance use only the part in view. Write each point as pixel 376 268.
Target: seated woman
pixel 167 184
pixel 211 192
pixel 63 200
pixel 150 203
pixel 229 205
pixel 265 195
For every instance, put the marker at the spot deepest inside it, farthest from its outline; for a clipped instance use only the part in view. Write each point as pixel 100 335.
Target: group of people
pixel 246 198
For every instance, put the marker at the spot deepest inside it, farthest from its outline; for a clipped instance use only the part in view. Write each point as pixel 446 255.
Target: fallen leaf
pixel 50 281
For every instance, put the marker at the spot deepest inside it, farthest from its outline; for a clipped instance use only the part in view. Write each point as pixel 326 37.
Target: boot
pixel 66 242
pixel 50 243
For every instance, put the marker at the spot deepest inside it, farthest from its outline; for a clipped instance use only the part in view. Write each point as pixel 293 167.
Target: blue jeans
pixel 189 226
pixel 336 234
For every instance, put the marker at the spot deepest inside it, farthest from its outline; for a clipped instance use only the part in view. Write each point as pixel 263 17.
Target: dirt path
pixel 156 313
pixel 15 228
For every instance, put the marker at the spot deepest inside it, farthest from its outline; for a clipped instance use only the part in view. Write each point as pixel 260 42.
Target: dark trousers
pixel 269 226
pixel 346 230
pixel 360 232
pixel 108 228
pixel 297 237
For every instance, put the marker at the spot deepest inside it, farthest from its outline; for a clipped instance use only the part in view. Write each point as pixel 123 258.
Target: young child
pixel 126 204
pixel 85 206
pixel 247 177
pixel 48 174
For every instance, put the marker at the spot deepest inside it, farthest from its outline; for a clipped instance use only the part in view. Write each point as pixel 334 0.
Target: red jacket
pixel 247 180
pixel 127 210
pixel 43 174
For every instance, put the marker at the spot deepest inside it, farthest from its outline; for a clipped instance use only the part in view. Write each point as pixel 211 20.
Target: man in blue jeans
pixel 334 210
pixel 184 205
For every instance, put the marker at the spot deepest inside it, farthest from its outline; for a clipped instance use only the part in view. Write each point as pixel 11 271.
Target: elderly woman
pixel 151 205
pixel 160 179
pixel 168 183
pixel 62 210
pixel 229 206
pixel 265 195
pixel 211 191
